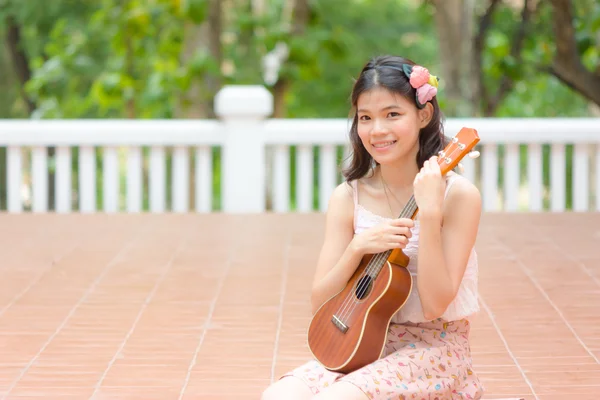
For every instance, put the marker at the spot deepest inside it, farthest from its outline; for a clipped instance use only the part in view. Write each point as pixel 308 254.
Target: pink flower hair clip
pixel 425 83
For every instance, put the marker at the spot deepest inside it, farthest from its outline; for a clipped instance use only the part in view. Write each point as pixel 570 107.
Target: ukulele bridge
pixel 339 324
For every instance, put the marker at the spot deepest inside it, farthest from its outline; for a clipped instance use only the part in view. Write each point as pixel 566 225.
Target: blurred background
pixel 167 59
pixel 193 111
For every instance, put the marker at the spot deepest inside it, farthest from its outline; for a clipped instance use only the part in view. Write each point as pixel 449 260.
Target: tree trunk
pixel 207 37
pixel 487 103
pixel 454 21
pixel 197 103
pixel 20 62
pixel 567 65
pixel 19 59
pixel 299 20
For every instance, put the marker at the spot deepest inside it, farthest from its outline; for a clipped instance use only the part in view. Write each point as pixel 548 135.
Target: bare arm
pixel 337 260
pixel 444 250
pixel 342 251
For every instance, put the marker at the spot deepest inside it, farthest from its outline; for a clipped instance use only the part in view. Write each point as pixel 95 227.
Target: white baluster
pixel 204 179
pixel 281 179
pixel 180 179
pixel 327 178
pixel 157 179
pixel 534 176
pixel 581 177
pixel 110 173
pixel 557 177
pixel 63 179
pixel 87 179
pixel 14 179
pixel 511 176
pixel 597 176
pixel 40 179
pixel 134 179
pixel 489 178
pixel 304 178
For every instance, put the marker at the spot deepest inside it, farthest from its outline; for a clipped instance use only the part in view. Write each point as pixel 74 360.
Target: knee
pixel 341 390
pixel 270 393
pixel 287 389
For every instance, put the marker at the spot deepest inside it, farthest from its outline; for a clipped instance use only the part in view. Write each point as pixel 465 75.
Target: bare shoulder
pixel 463 196
pixel 464 189
pixel 339 227
pixel 341 202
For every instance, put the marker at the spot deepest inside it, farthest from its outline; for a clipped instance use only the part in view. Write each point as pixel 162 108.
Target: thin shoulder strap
pixel 354 185
pixel 450 179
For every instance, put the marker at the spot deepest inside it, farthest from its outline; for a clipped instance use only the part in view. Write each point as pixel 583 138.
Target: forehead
pixel 379 98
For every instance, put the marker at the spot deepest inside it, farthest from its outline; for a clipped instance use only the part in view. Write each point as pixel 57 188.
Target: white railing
pixel 169 164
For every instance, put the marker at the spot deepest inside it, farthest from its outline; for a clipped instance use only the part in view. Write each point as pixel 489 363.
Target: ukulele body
pixel 349 330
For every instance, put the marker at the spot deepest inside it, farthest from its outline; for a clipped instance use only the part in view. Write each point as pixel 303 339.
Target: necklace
pixel 385 190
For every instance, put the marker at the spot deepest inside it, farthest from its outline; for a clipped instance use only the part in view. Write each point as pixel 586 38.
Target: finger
pixel 401 231
pixel 403 222
pixel 398 243
pixel 396 246
pixel 435 164
pixel 431 164
pixel 404 234
pixel 398 232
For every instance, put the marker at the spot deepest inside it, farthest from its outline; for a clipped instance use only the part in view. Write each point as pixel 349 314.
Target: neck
pixel 399 177
pixel 402 183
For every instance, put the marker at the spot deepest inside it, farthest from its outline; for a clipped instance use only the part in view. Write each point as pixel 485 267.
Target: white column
pixel 242 110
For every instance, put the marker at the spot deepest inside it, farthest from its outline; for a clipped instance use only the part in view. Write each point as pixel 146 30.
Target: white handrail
pixel 170 165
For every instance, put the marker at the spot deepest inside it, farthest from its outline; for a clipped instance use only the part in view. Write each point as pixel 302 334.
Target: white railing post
pixel 243 110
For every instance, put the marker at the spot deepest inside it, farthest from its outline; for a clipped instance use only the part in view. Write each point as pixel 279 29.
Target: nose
pixel 379 126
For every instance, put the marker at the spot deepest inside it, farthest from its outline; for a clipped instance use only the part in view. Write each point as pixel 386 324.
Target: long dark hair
pixel 386 72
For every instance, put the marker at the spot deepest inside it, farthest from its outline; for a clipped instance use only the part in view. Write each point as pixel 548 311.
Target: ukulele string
pixel 362 289
pixel 363 285
pixel 350 298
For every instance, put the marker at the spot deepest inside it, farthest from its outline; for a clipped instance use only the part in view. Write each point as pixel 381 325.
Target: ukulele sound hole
pixel 364 286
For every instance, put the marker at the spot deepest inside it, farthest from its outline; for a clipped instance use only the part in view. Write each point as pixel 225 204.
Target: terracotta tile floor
pixel 215 306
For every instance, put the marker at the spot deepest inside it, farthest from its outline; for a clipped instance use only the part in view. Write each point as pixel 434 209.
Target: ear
pixel 425 115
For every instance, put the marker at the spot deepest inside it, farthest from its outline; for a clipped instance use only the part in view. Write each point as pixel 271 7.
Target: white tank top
pixel 466 301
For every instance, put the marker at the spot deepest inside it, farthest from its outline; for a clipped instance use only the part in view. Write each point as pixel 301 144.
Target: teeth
pixel 384 144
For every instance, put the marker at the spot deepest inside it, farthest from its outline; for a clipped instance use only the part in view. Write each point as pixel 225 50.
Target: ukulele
pixel 349 330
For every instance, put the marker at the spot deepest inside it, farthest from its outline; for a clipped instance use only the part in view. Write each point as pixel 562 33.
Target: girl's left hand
pixel 429 187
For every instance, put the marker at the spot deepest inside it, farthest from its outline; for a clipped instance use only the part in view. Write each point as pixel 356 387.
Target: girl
pixel 396 134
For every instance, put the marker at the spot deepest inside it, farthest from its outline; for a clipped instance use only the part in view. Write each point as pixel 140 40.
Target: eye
pixel 394 114
pixel 364 118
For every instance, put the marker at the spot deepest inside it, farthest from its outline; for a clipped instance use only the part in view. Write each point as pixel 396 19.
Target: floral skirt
pixel 429 360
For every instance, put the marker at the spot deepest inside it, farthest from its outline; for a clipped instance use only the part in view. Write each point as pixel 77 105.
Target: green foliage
pixel 535 92
pixel 123 58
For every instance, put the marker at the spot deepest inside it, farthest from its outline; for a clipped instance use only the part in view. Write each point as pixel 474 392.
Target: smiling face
pixel 388 126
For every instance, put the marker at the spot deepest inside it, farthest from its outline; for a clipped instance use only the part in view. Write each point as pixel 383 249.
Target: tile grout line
pixel 149 297
pixel 503 339
pixel 539 287
pixel 39 276
pixel 211 311
pixel 71 312
pixel 560 314
pixel 579 263
pixel 286 264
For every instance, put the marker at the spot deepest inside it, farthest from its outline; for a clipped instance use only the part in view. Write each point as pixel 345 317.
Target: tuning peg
pixel 474 154
pixel 461 169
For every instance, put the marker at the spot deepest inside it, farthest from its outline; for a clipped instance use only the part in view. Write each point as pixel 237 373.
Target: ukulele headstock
pixel 459 146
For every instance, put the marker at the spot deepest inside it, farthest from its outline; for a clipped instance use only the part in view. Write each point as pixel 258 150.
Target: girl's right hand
pixel 385 236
